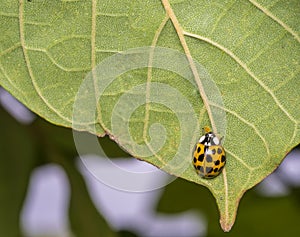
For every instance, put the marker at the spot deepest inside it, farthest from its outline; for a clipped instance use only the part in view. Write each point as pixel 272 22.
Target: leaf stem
pixel 180 34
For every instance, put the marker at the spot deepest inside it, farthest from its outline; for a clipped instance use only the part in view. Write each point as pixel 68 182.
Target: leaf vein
pixel 10 82
pixel 245 67
pixel 269 14
pixel 149 75
pixel 223 13
pixel 265 48
pixel 11 49
pixel 27 60
pixel 9 14
pixel 240 160
pixel 246 122
pixel 111 14
pixel 71 69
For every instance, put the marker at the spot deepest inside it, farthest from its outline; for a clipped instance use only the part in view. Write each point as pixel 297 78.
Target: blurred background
pixel 46 190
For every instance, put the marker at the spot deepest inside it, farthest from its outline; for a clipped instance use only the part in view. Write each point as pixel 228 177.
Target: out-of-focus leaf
pixel 259 216
pixel 85 220
pixel 17 160
pixel 59 147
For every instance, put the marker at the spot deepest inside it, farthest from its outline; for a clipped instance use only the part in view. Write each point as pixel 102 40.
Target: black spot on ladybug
pixel 201 157
pixel 223 158
pixel 219 151
pixel 213 151
pixel 209 169
pixel 201 169
pixel 216 170
pixel 195 159
pixel 209 158
pixel 217 162
pixel 199 149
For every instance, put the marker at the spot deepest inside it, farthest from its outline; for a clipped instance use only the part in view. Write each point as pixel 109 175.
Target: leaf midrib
pixel 227 226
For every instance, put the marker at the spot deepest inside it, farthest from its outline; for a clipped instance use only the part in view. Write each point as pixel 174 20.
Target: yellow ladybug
pixel 209 155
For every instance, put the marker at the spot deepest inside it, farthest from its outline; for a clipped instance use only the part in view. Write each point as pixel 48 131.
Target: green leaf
pixel 18 158
pixel 243 79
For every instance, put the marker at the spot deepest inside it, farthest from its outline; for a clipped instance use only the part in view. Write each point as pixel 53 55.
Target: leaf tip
pixel 226 226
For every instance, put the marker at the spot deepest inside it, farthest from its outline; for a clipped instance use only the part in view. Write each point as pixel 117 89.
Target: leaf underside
pixel 248 49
